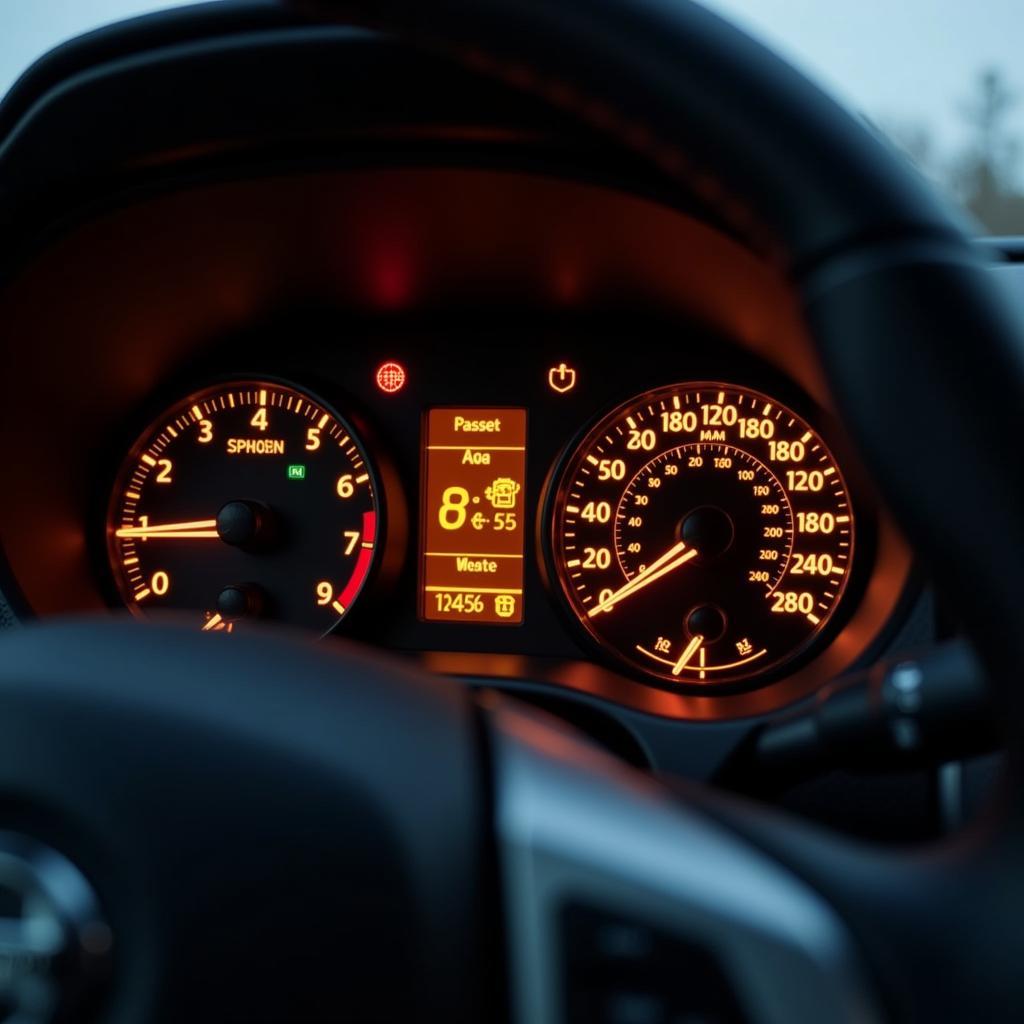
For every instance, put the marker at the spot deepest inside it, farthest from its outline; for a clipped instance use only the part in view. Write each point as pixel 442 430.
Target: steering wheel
pixel 277 831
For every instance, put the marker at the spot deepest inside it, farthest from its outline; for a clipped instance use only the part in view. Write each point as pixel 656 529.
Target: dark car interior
pixel 509 511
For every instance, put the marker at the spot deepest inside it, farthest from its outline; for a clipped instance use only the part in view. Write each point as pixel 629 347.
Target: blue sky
pixel 904 61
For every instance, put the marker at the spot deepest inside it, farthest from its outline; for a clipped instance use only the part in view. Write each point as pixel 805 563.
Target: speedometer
pixel 703 533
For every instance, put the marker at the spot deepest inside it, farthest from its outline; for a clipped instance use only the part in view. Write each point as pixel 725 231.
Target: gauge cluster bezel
pixel 751 378
pixel 178 444
pixel 574 662
pixel 392 503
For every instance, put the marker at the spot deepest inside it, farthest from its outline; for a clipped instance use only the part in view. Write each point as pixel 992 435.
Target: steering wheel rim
pixel 889 283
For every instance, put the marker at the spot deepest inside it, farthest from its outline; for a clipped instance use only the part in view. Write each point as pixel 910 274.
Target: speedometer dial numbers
pixel 250 500
pixel 703 533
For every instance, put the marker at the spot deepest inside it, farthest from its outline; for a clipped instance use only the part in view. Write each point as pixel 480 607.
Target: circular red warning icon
pixel 390 377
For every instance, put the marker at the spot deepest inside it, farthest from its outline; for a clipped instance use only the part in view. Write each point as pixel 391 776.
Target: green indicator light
pixel 296 472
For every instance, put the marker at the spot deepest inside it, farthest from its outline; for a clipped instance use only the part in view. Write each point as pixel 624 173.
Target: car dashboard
pixel 465 389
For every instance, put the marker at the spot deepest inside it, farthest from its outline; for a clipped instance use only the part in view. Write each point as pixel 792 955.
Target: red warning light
pixel 391 377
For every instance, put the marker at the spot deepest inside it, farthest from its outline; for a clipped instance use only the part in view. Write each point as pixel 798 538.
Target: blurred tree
pixel 984 176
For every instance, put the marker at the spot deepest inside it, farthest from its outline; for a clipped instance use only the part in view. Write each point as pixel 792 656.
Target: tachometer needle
pixel 672 559
pixel 200 528
pixel 688 653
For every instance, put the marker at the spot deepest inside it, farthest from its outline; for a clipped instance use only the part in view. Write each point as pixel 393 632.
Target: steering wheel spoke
pixel 619 895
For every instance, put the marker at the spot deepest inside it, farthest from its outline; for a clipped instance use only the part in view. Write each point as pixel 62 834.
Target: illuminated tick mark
pixel 592 460
pixel 767 409
pixel 141 595
pixel 362 479
pixel 812 618
pixel 806 437
pixel 573 563
pixel 323 421
pixel 148 460
pixel 197 412
pixel 338 607
pixel 263 396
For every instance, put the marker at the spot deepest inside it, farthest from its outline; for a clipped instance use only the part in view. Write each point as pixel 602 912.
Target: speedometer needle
pixel 200 528
pixel 672 559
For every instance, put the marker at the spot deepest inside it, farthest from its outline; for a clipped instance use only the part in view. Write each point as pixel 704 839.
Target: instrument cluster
pixel 667 510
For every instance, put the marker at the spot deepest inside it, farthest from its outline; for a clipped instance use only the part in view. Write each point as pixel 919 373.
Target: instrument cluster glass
pixel 700 536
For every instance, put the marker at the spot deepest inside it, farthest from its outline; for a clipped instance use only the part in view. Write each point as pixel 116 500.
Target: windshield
pixel 943 78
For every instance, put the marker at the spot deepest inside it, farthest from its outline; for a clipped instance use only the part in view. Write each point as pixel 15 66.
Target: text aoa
pixel 255 446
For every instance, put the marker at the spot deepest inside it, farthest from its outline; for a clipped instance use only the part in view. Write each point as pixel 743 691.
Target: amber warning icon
pixel 561 378
pixel 502 492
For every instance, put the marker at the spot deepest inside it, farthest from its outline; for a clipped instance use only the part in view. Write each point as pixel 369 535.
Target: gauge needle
pixel 672 559
pixel 691 650
pixel 198 528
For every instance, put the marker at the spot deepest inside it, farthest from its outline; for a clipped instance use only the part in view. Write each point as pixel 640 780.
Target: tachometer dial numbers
pixel 246 501
pixel 703 534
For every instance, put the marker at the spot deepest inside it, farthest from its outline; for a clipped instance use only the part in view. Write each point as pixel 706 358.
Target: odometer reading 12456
pixel 703 533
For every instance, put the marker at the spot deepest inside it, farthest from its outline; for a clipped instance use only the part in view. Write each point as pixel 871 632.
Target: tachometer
pixel 248 500
pixel 703 533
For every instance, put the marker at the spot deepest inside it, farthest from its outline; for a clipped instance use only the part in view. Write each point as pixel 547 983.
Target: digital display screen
pixel 474 500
